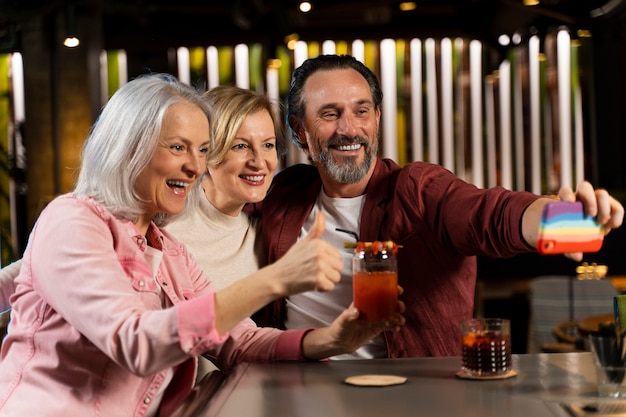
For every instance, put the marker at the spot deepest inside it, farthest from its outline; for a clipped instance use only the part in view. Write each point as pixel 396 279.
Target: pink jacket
pixel 89 336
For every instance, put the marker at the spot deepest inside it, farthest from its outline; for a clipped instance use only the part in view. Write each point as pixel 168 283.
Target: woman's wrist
pixel 320 344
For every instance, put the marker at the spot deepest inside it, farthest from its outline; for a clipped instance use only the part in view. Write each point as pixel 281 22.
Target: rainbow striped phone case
pixel 565 228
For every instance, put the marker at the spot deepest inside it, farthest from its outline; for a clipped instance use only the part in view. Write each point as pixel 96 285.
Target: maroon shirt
pixel 442 223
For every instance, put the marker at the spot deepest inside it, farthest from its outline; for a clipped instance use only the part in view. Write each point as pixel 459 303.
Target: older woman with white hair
pixel 110 311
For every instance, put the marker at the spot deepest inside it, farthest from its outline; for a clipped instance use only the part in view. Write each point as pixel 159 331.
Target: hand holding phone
pixel 565 228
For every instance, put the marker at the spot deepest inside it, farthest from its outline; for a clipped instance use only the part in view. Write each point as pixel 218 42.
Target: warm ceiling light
pixel 504 40
pixel 71 42
pixel 305 7
pixel 531 2
pixel 407 6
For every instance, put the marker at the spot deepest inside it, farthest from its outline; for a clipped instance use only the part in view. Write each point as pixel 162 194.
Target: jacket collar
pixel 379 191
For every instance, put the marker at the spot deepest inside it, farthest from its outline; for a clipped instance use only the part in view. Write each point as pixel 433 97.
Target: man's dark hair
pixel 295 101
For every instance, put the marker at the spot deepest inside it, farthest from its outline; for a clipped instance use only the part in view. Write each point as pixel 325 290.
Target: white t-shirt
pixel 317 309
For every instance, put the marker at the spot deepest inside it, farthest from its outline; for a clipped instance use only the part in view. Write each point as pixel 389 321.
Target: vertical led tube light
pixel 212 65
pixel 16 147
pixel 518 111
pixel 328 47
pixel 300 53
pixel 490 131
pixel 17 87
pixel 579 148
pixel 390 100
pixel 476 111
pixel 273 89
pixel 565 118
pixel 432 102
pixel 182 61
pixel 506 169
pixel 358 50
pixel 242 66
pixel 417 122
pixel 447 121
pixel 459 48
pixel 535 112
pixel 122 65
pixel 272 84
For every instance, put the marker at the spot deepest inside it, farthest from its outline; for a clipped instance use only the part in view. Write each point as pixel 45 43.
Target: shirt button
pixel 147 400
pixel 141 283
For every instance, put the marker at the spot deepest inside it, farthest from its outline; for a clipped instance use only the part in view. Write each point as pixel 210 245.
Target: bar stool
pixel 571 336
pixel 557 303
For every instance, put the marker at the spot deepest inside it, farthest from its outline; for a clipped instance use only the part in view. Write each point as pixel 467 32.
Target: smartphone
pixel 565 228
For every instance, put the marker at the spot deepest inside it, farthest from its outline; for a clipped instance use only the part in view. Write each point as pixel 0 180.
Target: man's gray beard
pixel 348 172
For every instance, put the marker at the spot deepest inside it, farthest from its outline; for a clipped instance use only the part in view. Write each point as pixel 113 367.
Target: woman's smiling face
pixel 246 172
pixel 178 161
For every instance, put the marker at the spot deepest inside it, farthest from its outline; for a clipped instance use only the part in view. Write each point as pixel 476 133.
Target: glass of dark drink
pixel 486 347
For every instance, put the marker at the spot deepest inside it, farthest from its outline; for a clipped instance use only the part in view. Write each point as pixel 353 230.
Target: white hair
pixel 123 140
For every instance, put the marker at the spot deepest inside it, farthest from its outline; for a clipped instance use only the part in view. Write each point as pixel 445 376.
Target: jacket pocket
pixel 143 283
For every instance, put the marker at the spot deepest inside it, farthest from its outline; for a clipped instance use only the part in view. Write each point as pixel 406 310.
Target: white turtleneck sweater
pixel 225 247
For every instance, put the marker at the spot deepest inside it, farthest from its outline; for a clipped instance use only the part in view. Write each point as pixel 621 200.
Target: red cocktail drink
pixel 375 281
pixel 376 295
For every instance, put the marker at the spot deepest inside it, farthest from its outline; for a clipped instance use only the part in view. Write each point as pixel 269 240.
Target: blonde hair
pixel 230 106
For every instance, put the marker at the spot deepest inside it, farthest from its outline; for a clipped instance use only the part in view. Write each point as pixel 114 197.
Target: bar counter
pixel 544 382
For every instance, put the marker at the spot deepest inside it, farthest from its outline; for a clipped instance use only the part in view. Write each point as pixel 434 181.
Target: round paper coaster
pixel 509 374
pixel 375 380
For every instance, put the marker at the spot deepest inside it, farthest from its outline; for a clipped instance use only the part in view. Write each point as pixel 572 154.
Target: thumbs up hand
pixel 310 264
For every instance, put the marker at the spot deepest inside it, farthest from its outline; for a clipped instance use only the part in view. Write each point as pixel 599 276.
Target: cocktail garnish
pixel 376 246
